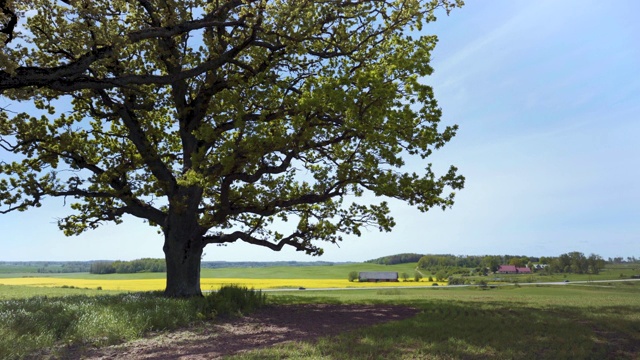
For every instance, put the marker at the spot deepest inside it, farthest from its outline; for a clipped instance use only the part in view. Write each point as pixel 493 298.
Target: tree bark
pixel 183 248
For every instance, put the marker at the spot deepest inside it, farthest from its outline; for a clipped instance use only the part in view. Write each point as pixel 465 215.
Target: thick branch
pixel 275 206
pixel 291 240
pixel 135 206
pixel 166 32
pixel 142 144
pixel 71 77
pixel 59 77
pixel 23 205
pixel 11 24
pixel 266 169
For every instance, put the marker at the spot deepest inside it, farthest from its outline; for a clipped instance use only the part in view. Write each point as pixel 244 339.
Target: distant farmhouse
pixel 512 269
pixel 376 276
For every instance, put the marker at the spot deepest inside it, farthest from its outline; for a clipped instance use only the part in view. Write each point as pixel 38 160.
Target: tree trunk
pixel 183 254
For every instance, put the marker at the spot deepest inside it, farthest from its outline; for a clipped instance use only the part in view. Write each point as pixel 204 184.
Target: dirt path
pixel 267 327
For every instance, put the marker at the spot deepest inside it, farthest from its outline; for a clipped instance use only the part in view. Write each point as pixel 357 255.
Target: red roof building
pixel 507 269
pixel 523 270
pixel 512 269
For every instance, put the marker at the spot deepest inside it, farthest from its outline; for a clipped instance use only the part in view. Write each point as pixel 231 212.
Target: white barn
pixel 376 276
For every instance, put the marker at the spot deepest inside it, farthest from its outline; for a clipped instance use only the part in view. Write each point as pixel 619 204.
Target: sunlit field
pixel 206 283
pixel 280 277
pixel 578 319
pixel 308 277
pixel 528 322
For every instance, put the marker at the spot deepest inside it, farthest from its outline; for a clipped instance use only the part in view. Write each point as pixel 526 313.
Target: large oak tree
pixel 221 120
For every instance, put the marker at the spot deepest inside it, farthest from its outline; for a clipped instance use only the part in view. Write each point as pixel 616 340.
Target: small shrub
pixel 353 276
pixel 231 300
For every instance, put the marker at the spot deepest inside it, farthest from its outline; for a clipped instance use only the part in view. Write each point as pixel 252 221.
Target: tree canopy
pixel 218 121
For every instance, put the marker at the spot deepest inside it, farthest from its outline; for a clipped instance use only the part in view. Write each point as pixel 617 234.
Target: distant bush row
pixel 396 259
pixel 128 267
pixel 573 262
pixel 70 267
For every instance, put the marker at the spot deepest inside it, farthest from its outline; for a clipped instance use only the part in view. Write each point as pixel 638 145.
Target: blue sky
pixel 547 96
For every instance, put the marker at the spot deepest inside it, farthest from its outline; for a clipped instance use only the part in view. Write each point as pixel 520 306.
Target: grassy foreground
pixel 576 321
pixel 554 322
pixel 572 322
pixel 51 326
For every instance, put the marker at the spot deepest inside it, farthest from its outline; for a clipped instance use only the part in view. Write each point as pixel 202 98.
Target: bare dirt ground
pixel 267 327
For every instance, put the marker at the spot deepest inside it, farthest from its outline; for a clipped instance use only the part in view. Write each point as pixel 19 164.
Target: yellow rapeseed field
pixel 206 283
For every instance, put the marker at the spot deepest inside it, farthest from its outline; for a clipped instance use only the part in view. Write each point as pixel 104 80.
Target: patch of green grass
pixel 588 321
pixel 42 326
pixel 86 275
pixel 304 272
pixel 504 323
pixel 390 292
pixel 23 292
pixel 591 320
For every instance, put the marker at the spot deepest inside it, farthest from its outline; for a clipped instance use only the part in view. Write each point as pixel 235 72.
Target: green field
pixel 276 272
pixel 576 321
pixel 568 322
pixel 338 271
pixel 22 292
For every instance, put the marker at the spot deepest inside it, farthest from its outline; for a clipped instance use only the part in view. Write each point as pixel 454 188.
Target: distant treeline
pixel 141 265
pixel 67 267
pixel 396 259
pixel 448 260
pixel 158 265
pixel 621 260
pixel 492 262
pixel 128 267
pixel 43 267
pixel 572 262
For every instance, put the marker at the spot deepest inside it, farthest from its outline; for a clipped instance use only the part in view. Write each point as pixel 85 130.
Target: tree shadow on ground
pixel 434 329
pixel 267 327
pixel 457 330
